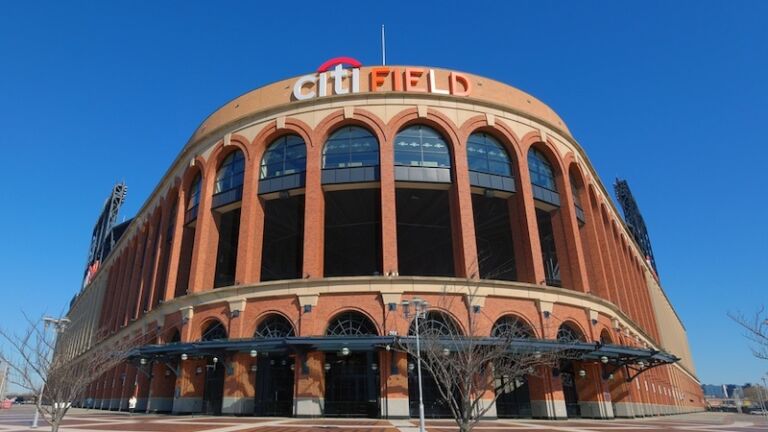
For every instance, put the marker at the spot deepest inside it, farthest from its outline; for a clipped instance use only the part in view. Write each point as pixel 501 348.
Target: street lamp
pixel 419 312
pixel 60 325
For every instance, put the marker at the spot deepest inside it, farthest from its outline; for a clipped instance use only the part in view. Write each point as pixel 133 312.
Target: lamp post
pixel 419 312
pixel 765 388
pixel 60 324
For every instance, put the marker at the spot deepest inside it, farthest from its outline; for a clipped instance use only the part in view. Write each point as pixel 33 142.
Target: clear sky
pixel 669 95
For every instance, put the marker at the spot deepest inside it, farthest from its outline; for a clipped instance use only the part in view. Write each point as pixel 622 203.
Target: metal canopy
pixel 634 360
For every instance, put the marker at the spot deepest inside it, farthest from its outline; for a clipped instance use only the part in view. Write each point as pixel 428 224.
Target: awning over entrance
pixel 635 360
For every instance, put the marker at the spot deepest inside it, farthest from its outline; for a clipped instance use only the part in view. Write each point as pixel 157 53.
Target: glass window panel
pixel 541 170
pixel 286 155
pixel 421 146
pixel 486 154
pixel 351 146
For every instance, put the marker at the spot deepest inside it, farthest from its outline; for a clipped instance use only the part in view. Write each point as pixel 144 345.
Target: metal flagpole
pixel 383 48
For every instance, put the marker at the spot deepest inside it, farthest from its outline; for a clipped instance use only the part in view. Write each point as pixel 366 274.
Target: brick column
pixel 547 399
pixel 566 216
pixel 599 275
pixel 394 373
pixel 251 227
pixel 174 254
pixel 524 211
pixel 188 396
pixel 623 404
pixel 594 396
pixel 388 210
pixel 239 385
pixel 462 218
pixel 203 265
pixel 161 388
pixel 310 389
pixel 314 214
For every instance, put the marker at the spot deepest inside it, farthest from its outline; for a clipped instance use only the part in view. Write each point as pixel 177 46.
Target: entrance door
pixel 213 394
pixel 274 386
pixel 435 406
pixel 351 385
pixel 569 390
pixel 514 400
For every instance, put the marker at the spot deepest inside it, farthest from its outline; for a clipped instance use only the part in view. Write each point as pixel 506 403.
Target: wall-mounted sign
pixel 332 78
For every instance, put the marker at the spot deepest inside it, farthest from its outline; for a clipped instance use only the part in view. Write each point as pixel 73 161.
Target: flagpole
pixel 383 48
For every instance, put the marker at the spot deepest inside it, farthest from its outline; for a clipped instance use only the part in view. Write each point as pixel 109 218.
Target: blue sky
pixel 669 95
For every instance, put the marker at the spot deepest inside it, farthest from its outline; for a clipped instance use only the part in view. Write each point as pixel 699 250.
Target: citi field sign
pixel 341 75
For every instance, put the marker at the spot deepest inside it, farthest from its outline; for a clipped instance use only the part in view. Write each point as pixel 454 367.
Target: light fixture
pixel 537 355
pixel 283 363
pixel 184 356
pixel 374 367
pixel 546 314
pixel 411 367
pixel 293 366
pixel 254 367
pixel 143 361
pixel 199 370
pixel 307 308
pixel 215 360
pixel 387 347
pixel 603 359
pixel 327 366
pixel 446 352
pixel 582 373
pixel 345 351
pixel 641 364
pixel 254 353
pixel 530 369
pixel 235 313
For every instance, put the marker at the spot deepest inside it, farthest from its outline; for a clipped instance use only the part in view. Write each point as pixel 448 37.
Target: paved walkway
pixel 19 418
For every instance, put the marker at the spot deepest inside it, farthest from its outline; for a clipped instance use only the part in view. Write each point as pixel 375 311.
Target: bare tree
pixel 755 330
pixel 37 366
pixel 470 369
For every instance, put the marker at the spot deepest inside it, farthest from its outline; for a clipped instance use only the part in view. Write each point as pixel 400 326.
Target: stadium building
pixel 266 273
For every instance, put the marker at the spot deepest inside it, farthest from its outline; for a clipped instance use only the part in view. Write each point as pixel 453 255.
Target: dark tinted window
pixel 286 155
pixel 541 170
pixel 421 146
pixel 351 146
pixel 486 155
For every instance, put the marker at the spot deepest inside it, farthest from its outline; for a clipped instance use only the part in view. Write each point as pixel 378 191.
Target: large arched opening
pixel 281 189
pixel 351 377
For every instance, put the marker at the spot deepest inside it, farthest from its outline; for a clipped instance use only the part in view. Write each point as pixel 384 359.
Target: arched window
pixel 351 324
pixel 175 337
pixel 486 155
pixel 421 146
pixel 229 179
pixel 227 190
pixel 194 199
pixel 274 326
pixel 605 337
pixel 569 333
pixel 351 146
pixel 435 324
pixel 286 155
pixel 512 327
pixel 542 174
pixel 214 331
